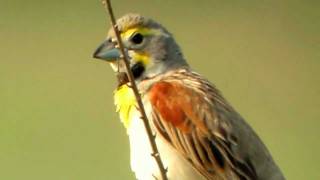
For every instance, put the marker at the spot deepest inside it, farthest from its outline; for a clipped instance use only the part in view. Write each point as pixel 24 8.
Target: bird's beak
pixel 107 51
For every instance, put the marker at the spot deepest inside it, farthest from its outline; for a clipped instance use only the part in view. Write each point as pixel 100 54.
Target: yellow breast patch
pixel 125 102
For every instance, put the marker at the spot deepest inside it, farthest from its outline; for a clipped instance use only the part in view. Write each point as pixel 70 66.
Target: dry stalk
pixel 155 152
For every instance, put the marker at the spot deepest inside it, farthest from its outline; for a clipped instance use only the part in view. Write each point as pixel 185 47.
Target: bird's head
pixel 151 49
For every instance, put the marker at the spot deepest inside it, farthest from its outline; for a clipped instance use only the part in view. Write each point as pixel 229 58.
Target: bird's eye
pixel 137 38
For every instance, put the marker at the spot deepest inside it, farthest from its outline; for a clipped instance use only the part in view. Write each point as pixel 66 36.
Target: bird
pixel 199 135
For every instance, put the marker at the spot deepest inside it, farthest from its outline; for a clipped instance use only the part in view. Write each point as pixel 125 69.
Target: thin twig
pixel 155 152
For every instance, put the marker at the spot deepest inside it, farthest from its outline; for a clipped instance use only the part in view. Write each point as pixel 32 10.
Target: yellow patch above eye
pixel 142 30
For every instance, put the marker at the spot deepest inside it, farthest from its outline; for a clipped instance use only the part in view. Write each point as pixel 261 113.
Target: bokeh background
pixel 57 119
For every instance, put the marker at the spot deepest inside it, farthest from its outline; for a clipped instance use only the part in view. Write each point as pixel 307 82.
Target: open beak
pixel 107 51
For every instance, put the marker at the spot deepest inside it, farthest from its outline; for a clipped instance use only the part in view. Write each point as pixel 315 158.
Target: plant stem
pixel 151 137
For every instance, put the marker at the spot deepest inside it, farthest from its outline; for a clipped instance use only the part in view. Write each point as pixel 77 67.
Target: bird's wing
pixel 193 118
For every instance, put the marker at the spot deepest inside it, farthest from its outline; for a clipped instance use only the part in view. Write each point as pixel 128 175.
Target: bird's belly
pixel 144 165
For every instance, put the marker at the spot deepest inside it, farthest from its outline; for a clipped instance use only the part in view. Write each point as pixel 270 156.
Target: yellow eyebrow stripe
pixel 142 30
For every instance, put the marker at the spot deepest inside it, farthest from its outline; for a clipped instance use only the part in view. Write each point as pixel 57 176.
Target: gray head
pixel 151 49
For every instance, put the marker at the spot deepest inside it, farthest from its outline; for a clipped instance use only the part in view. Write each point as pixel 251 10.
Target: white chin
pixel 115 66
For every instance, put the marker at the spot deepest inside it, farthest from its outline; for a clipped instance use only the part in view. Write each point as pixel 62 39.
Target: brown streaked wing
pixel 188 117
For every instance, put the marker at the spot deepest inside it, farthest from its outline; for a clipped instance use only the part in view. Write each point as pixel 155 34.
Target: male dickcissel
pixel 198 134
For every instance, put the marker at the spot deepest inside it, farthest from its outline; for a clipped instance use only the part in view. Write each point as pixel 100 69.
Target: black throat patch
pixel 137 70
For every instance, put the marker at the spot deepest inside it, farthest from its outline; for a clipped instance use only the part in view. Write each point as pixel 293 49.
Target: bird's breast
pixel 125 102
pixel 143 164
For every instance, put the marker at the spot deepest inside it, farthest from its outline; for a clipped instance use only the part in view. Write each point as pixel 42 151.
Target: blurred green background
pixel 57 119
